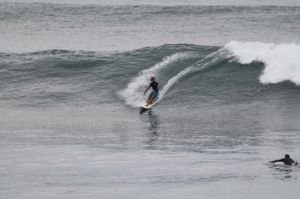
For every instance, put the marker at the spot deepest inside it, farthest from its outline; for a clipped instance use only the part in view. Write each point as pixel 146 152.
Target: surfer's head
pixel 152 79
pixel 287 156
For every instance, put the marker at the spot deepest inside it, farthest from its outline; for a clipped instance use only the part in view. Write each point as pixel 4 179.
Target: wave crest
pixel 282 61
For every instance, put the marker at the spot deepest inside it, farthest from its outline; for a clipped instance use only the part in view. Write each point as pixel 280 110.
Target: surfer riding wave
pixel 154 93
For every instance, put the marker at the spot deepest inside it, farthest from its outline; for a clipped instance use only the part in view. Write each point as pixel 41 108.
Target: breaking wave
pixel 281 61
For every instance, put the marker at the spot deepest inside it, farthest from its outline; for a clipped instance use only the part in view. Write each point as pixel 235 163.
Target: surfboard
pixel 145 108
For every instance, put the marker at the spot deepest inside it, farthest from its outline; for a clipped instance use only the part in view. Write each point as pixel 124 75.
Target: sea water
pixel 73 75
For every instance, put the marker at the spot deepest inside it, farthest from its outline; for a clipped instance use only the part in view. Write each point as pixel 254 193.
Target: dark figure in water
pixel 287 160
pixel 154 93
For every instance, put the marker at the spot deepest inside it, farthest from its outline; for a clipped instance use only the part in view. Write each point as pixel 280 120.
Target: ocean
pixel 72 77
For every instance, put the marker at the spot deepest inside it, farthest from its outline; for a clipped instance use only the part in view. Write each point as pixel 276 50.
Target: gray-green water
pixel 72 78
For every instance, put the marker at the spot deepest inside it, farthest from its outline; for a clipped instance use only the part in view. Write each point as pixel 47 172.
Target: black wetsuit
pixel 154 86
pixel 286 161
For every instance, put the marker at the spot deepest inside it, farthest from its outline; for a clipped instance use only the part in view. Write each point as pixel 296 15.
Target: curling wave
pixel 281 61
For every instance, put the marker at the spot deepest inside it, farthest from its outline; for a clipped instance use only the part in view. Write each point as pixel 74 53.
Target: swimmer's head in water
pixel 287 156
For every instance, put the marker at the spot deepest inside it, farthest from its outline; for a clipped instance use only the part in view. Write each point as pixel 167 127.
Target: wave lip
pixel 282 61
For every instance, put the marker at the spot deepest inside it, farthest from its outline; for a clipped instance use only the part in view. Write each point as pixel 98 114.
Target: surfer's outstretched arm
pixel 147 89
pixel 287 160
pixel 274 161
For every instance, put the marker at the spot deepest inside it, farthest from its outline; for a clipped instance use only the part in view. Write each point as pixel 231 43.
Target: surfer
pixel 154 93
pixel 287 160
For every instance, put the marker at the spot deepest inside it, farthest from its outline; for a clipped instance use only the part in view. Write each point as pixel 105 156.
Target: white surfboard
pixel 145 108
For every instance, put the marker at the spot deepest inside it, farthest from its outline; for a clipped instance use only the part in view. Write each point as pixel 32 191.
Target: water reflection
pixel 284 172
pixel 153 123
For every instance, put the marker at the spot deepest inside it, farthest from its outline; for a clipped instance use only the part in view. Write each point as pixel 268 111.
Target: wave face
pixel 133 93
pixel 186 73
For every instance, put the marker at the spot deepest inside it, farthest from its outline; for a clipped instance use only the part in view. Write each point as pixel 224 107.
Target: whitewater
pixel 72 77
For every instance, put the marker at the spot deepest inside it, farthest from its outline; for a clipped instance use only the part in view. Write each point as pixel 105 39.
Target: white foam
pixel 133 93
pixel 282 61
